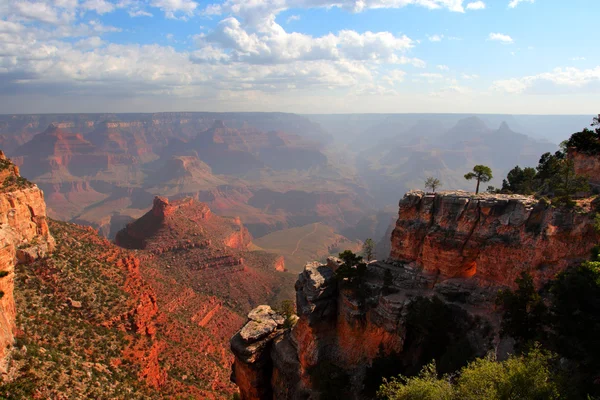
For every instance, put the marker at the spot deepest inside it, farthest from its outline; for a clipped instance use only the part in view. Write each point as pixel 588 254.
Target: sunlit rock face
pixel 434 298
pixel 490 237
pixel 24 237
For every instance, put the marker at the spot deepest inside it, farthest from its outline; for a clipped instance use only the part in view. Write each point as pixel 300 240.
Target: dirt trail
pixel 304 237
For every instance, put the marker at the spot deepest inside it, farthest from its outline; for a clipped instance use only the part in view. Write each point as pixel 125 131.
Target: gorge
pixel 155 313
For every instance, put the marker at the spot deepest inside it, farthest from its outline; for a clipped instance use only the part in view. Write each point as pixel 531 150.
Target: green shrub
pixel 527 377
pixel 425 386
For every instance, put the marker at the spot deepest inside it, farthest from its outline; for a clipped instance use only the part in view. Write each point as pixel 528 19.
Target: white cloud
pixel 476 5
pixel 415 62
pixel 443 67
pixel 139 13
pixel 99 6
pixel 578 59
pixel 514 3
pixel 256 11
pixel 470 77
pixel 435 38
pixel 273 45
pixel 292 18
pixel 39 11
pixel 90 42
pixel 500 37
pixel 558 80
pixel 173 7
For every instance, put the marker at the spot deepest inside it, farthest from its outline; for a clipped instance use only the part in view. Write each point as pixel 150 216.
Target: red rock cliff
pixel 24 236
pixel 491 237
pixel 451 253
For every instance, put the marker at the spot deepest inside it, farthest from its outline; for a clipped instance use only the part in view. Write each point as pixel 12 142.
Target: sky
pixel 302 56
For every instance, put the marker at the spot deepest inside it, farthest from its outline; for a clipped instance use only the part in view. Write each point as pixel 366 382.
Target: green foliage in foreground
pixel 570 326
pixel 527 377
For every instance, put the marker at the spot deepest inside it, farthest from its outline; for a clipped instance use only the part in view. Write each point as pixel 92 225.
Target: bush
pixel 528 377
pixel 287 309
pixel 425 386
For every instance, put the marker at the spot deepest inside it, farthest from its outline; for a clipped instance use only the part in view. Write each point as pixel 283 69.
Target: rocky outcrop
pixel 251 345
pixel 24 237
pixel 490 237
pixel 182 224
pixel 433 299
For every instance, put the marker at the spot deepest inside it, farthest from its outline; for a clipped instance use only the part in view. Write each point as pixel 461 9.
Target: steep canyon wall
pixel 24 237
pixel 434 298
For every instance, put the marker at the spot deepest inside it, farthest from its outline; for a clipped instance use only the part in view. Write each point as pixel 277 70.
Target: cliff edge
pixel 24 237
pixel 434 298
pixel 491 237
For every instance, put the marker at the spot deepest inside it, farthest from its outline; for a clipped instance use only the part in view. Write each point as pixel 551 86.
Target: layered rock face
pixel 24 237
pixel 343 342
pixel 433 299
pixel 490 237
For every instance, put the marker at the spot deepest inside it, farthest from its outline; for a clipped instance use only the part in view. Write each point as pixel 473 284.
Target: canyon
pixel 276 171
pixel 101 170
pixel 434 298
pixel 150 317
pixel 212 214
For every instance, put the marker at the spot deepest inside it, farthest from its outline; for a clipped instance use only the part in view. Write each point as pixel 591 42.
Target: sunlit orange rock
pixel 489 236
pixel 24 237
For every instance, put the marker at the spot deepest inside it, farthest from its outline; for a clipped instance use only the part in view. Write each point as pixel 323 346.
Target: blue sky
pixel 306 56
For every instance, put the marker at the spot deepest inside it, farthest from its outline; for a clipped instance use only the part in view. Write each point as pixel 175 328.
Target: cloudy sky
pixel 306 56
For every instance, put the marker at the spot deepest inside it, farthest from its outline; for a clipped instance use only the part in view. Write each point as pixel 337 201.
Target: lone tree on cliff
pixel 369 249
pixel 432 183
pixel 482 173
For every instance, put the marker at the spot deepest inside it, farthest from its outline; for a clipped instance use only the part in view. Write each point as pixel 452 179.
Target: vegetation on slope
pixel 66 346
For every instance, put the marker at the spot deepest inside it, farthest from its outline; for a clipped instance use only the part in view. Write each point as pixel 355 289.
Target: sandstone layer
pixel 490 237
pixel 24 237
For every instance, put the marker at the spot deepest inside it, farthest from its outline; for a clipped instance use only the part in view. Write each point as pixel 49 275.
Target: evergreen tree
pixel 481 173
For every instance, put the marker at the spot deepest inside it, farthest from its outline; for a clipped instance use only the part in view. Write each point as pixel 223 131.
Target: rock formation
pixel 24 237
pixel 490 237
pixel 434 298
